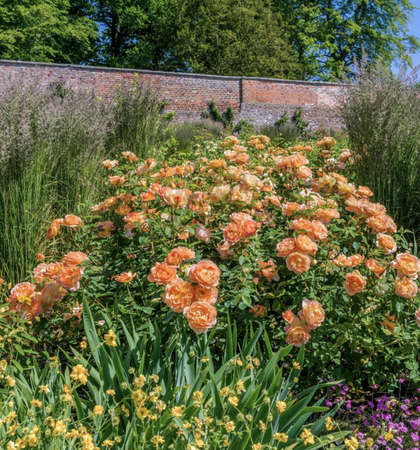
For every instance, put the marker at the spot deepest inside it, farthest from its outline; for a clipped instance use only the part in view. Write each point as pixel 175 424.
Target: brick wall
pixel 258 99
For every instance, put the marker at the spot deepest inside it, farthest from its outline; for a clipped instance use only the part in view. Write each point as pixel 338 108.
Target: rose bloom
pixel 288 316
pixel 290 209
pixel 199 202
pixel 178 295
pixel 301 225
pixel 162 274
pixel 374 267
pixel 202 234
pixel 364 191
pixel 176 197
pixel 205 273
pixel 296 333
pixel 22 292
pixel 232 233
pixel 299 160
pixel 111 201
pixel 69 278
pixel 148 196
pixel 251 181
pixel 35 309
pixel 129 156
pixel 229 141
pixel 379 224
pixel 242 158
pixel 344 156
pixel 355 283
pixel 268 270
pixel 74 258
pixel 108 164
pixel 355 260
pixel 319 230
pixel 224 250
pixel 239 148
pixel 258 310
pixel 105 229
pixel 179 254
pixel 116 180
pixel 49 294
pixel 125 277
pixel 230 155
pixel 72 221
pixel 240 217
pixel 374 209
pixel 304 173
pixel 386 243
pixel 135 218
pixel 405 287
pixel 217 164
pixel 239 194
pixel 285 247
pixel 123 210
pixel 54 228
pixel 391 323
pixel 417 315
pixel 298 262
pixel 201 316
pixel 312 314
pixel 326 215
pixel 219 192
pixel 47 271
pixel 202 294
pixel 305 244
pixel 407 265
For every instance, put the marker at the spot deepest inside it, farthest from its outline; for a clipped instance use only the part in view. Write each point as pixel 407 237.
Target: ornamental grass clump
pixel 167 390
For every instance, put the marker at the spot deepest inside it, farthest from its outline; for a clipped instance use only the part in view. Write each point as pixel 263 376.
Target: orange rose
pixel 242 158
pixel 230 155
pixel 135 218
pixel 296 333
pixel 130 156
pixel 407 265
pixel 319 230
pixel 355 283
pixel 105 229
pixel 203 234
pixel 47 271
pixel 239 148
pixel 390 324
pixel 224 250
pixel 301 225
pixel 202 294
pixel 232 233
pixel 249 228
pixel 72 221
pixel 22 293
pixel 417 315
pixel 199 202
pixel 178 295
pixel 176 197
pixel 111 201
pixel 49 294
pixel 74 258
pixel 258 310
pixel 108 164
pixel 355 260
pixel 251 181
pixel 268 270
pixel 116 180
pixel 162 274
pixel 374 209
pixel 298 160
pixel 217 164
pixel 125 277
pixel 374 267
pixel 127 198
pixel 364 191
pixel 312 314
pixel 201 316
pixel 205 273
pixel 240 217
pixel 179 254
pixel 326 215
pixel 290 209
pixel 219 192
pixel 148 196
pixel 305 244
pixel 285 247
pixel 379 223
pixel 123 210
pixel 304 173
pixel 54 228
pixel 386 243
pixel 298 262
pixel 288 316
pixel 405 287
pixel 69 278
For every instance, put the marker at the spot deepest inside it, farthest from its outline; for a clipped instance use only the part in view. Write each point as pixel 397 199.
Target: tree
pixel 329 34
pixel 44 30
pixel 233 37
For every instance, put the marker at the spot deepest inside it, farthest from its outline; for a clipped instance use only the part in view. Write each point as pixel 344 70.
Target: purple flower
pixel 375 386
pixel 401 381
pixel 415 437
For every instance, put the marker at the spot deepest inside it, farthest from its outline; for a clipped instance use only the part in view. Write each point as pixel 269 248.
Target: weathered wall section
pixel 261 100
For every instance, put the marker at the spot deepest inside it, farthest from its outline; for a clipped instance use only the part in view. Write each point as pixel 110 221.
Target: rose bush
pixel 256 231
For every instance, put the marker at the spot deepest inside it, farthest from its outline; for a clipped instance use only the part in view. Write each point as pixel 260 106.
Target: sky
pixel 415 29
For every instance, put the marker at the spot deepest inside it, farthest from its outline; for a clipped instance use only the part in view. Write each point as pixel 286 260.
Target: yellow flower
pixel 107 443
pixel 226 443
pixel 240 387
pixel 139 381
pixel 256 362
pixel 263 426
pixel 351 444
pixel 249 366
pixel 224 392
pixel 198 396
pixel 389 435
pixel 71 434
pixel 155 378
pixel 44 389
pixel 229 426
pixel 205 359
pixel 10 381
pixel 110 392
pixel 142 413
pixel 295 380
pixel 329 424
pixel 281 406
pixel 59 428
pixel 156 440
pixel 32 440
pixel 98 410
pixel 233 400
pixel 3 365
pixel 110 339
pixel 307 437
pixel 83 344
pixel 176 411
pixel 36 403
pixel 281 437
pixel 369 443
pixel 296 365
pixel 79 373
pixel 257 447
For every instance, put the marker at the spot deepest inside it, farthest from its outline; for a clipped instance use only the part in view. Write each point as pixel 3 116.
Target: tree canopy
pixel 271 38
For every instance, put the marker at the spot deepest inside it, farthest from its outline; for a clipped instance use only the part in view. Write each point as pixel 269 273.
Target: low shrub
pixel 166 391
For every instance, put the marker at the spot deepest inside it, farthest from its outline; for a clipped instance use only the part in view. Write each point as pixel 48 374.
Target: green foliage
pixel 327 35
pixel 232 37
pixel 300 124
pixel 45 30
pixel 381 114
pixel 235 395
pixel 243 127
pixel 226 118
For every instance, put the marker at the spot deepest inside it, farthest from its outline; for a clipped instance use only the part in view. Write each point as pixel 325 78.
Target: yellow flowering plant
pixel 168 392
